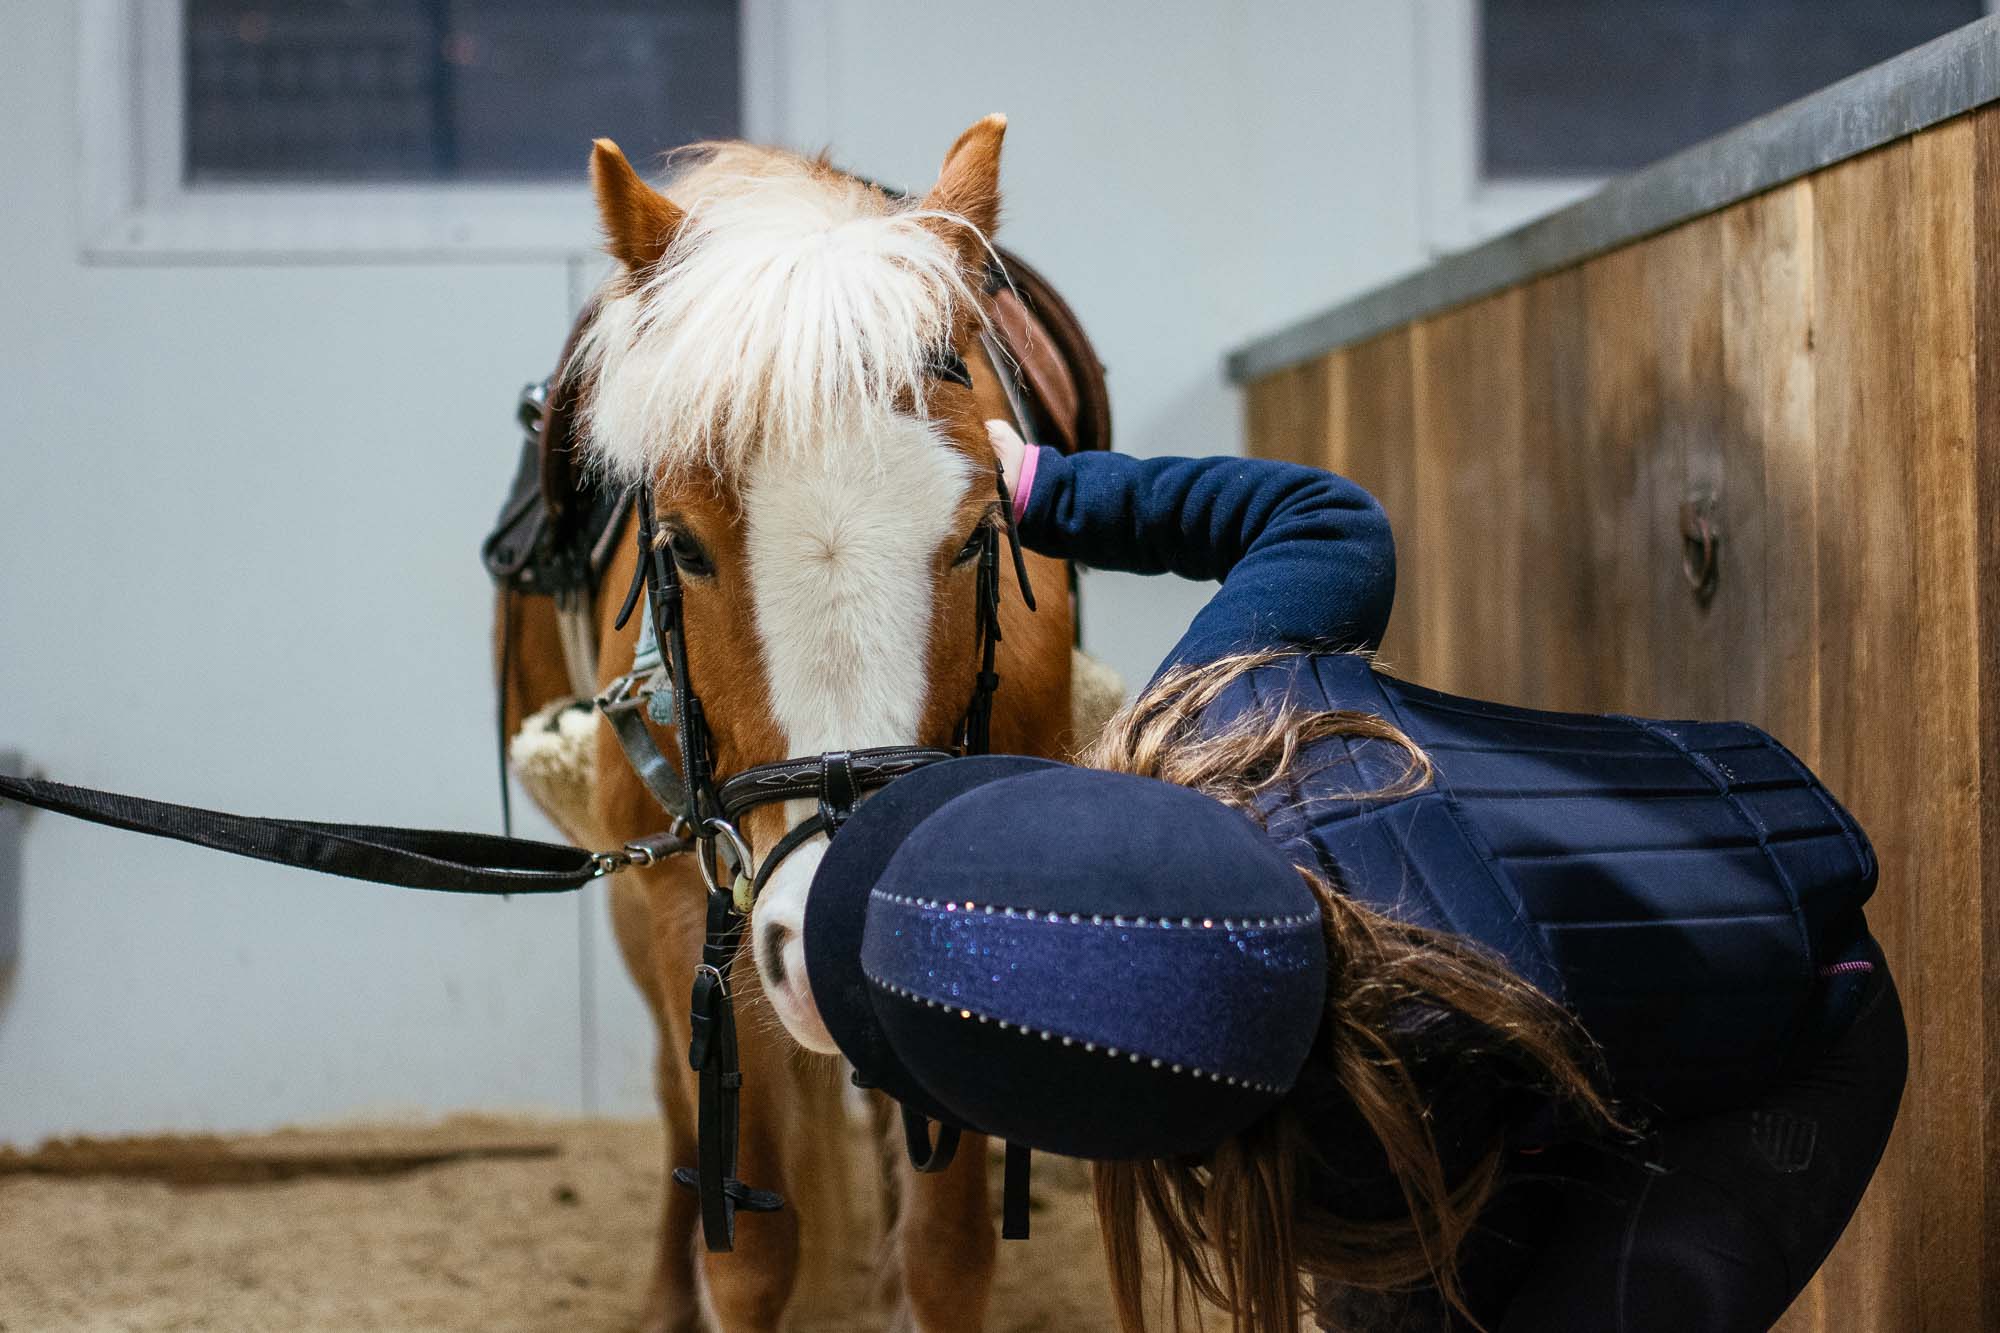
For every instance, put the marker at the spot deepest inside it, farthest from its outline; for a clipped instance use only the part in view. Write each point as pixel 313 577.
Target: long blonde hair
pixel 1233 1226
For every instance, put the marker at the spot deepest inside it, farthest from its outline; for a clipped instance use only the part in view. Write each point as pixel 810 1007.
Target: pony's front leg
pixel 945 1233
pixel 673 1303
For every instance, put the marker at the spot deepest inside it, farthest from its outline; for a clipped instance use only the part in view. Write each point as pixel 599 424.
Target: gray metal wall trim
pixel 1958 72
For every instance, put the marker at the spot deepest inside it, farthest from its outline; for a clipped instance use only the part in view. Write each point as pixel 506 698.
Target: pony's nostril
pixel 776 937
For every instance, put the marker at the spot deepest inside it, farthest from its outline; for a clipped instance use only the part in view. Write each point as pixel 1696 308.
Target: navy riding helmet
pixel 1083 962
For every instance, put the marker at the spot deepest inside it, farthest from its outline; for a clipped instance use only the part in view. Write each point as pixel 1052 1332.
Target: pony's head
pixel 764 362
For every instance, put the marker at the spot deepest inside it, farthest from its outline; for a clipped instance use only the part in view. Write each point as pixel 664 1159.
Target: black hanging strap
pixel 1014 1193
pixel 719 1087
pixel 977 729
pixel 409 858
pixel 926 1155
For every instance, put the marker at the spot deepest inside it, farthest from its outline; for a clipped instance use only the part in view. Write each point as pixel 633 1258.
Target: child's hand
pixel 1008 445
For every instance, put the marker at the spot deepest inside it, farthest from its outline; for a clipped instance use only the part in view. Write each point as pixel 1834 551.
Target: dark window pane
pixel 379 90
pixel 1592 87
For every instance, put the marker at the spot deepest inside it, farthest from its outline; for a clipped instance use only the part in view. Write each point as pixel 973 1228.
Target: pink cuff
pixel 1024 485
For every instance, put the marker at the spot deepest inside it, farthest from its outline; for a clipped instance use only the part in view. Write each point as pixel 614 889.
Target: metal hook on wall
pixel 1700 547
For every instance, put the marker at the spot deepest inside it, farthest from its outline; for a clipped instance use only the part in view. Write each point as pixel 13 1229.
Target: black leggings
pixel 1714 1226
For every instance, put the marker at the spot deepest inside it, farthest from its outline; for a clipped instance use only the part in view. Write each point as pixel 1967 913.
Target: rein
pixel 435 859
pixel 708 814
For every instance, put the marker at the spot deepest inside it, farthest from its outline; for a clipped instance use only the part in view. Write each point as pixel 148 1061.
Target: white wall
pixel 240 505
pixel 1188 175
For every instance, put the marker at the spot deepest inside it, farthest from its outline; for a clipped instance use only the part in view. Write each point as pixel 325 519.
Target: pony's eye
pixel 947 364
pixel 973 546
pixel 687 553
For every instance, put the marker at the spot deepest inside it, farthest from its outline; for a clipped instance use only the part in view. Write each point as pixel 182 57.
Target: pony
pixel 761 365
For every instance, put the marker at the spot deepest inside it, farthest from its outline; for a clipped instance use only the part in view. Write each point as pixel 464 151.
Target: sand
pixel 553 1231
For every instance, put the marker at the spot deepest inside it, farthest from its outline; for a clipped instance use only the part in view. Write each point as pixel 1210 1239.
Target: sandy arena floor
pixel 526 1240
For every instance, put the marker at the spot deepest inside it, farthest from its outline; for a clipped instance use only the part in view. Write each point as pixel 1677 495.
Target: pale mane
pixel 793 304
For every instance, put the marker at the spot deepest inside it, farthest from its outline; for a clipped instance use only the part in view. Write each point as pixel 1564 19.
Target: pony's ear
pixel 639 221
pixel 969 184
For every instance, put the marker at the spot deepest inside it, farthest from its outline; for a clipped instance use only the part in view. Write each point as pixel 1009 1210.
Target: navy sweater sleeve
pixel 1304 556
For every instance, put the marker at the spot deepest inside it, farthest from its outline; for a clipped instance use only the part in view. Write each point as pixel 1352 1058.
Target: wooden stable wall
pixel 1820 365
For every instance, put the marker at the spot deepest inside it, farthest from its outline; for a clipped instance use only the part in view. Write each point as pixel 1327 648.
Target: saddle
pixel 555 532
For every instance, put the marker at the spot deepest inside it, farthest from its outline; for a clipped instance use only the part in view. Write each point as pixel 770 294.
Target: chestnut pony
pixel 762 362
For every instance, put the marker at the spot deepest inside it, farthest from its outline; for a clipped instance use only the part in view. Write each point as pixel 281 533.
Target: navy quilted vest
pixel 1676 884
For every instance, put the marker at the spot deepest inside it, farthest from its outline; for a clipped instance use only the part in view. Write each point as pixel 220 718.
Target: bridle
pixel 710 812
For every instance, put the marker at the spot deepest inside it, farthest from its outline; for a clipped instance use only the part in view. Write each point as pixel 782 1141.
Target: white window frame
pixel 1460 207
pixel 134 206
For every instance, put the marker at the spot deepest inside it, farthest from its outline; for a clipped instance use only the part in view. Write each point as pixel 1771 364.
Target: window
pixel 354 128
pixel 447 89
pixel 1537 101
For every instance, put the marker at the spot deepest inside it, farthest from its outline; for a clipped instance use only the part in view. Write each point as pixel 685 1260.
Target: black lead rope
pixel 434 859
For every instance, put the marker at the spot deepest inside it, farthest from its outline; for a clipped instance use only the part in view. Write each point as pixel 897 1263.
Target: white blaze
pixel 842 552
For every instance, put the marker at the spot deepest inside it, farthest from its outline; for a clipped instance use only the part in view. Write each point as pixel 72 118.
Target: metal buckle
pixel 650 688
pixel 619 691
pixel 736 852
pixel 533 403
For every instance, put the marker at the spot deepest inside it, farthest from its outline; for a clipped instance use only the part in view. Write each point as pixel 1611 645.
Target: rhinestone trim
pixel 1097 919
pixel 1132 1057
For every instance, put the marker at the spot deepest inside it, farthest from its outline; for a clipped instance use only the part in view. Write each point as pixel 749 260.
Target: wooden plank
pixel 1985 495
pixel 1558 598
pixel 1865 400
pixel 1287 413
pixel 1467 397
pixel 1377 448
pixel 1770 506
pixel 1621 419
pixel 1947 1031
pixel 210 1159
pixel 1684 462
